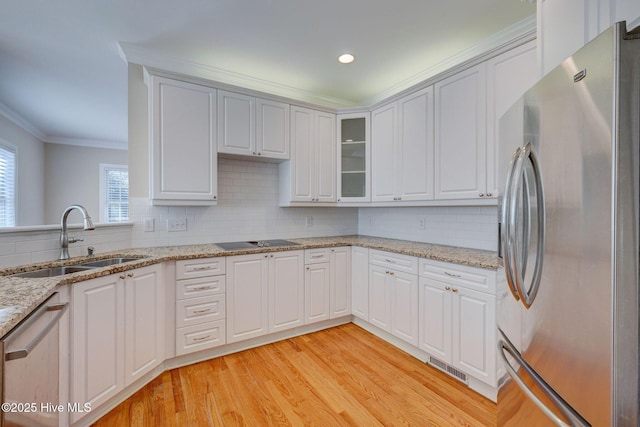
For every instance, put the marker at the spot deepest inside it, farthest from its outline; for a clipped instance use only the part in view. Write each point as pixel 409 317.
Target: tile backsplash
pixel 465 226
pixel 248 209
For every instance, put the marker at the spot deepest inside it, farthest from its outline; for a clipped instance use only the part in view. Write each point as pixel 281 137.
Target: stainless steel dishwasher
pixel 30 368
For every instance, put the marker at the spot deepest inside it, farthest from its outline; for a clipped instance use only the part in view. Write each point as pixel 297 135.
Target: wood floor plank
pixel 342 376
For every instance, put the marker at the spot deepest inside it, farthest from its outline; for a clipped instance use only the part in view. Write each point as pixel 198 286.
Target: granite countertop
pixel 20 296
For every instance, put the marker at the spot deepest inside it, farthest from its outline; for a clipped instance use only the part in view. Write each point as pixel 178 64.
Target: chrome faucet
pixel 64 239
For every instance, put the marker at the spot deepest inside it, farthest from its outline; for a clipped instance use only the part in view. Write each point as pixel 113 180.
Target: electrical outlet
pixel 308 221
pixel 421 223
pixel 177 224
pixel 148 224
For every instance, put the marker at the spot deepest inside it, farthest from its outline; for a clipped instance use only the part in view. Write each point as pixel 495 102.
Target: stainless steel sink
pixel 252 244
pixel 107 262
pixel 74 268
pixel 52 271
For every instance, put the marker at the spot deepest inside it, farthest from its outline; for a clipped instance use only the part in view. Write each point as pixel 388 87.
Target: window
pixel 7 186
pixel 114 193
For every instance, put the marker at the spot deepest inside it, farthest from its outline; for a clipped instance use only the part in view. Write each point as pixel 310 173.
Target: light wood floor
pixel 339 376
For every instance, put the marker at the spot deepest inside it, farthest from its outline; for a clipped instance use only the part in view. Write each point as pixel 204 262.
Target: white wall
pixel 470 227
pixel 73 177
pixel 30 170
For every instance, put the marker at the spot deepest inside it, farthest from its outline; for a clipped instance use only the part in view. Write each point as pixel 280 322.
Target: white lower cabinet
pixel 458 323
pixel 360 282
pixel 327 283
pixel 265 293
pixel 393 294
pixel 117 333
pixel 200 304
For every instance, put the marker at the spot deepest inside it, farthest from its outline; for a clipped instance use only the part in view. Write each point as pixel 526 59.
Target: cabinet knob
pixel 254 153
pixel 454 290
pixel 129 274
pixel 481 194
pixel 259 154
pixel 215 197
pixel 489 195
pixel 447 288
pixel 122 276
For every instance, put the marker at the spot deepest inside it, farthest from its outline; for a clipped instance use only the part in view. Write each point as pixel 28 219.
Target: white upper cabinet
pixel 509 76
pixel 354 158
pixel 236 124
pixel 249 126
pixel 310 175
pixel 183 167
pixel 460 142
pixel 565 26
pixel 402 149
pixel 272 129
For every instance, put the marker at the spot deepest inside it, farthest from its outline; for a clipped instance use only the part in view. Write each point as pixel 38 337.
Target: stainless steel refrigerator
pixel 569 226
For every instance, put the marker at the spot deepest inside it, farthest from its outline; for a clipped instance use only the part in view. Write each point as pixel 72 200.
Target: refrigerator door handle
pixel 509 229
pixel 575 419
pixel 528 153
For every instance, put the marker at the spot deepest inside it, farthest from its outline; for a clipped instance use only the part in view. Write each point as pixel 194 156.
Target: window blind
pixel 7 187
pixel 116 193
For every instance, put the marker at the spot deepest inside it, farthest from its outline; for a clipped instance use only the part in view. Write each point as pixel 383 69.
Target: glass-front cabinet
pixel 354 155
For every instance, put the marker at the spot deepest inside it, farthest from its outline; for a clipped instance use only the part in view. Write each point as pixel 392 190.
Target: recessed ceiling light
pixel 346 58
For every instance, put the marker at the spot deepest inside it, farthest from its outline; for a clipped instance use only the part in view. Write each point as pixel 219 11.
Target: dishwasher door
pixel 30 379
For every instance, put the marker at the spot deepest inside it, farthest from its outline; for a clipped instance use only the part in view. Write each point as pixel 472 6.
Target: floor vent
pixel 447 369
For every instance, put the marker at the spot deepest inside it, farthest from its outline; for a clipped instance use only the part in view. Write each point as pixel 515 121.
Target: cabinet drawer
pixel 469 277
pixel 190 288
pixel 313 256
pixel 194 311
pixel 200 337
pixel 202 267
pixel 393 261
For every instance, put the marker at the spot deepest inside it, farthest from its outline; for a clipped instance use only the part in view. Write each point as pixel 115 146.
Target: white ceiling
pixel 62 72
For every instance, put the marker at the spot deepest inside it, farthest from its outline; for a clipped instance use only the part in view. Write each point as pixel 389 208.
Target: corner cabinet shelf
pixel 182 132
pixel 354 158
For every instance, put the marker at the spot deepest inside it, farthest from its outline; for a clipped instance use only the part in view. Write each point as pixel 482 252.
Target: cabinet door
pixel 236 124
pixel 474 333
pixel 272 135
pixel 360 282
pixel 317 278
pixel 379 298
pixel 286 290
pixel 508 77
pixel 97 335
pixel 404 306
pixel 460 142
pixel 354 158
pixel 144 321
pixel 415 150
pixel 340 282
pixel 435 319
pixel 325 157
pixel 384 136
pixel 183 143
pixel 247 302
pixel 302 155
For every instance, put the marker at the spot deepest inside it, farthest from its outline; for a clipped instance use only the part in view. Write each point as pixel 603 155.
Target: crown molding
pixel 517 33
pixel 28 127
pixel 154 59
pixel 21 122
pixel 91 143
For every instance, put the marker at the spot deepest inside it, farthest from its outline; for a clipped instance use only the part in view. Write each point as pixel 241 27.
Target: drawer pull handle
pixel 317 256
pixel 202 338
pixel 451 274
pixel 202 288
pixel 390 260
pixel 206 267
pixel 201 311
